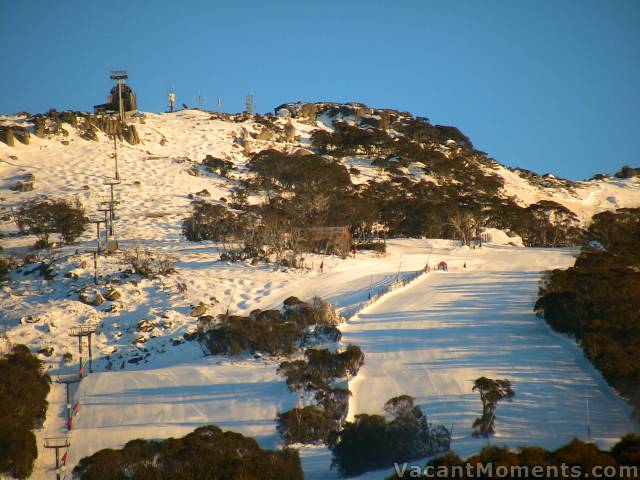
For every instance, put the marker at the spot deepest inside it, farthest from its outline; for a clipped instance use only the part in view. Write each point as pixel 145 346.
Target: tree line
pixel 598 300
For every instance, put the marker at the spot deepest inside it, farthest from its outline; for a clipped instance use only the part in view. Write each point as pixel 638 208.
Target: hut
pixel 129 102
pixel 330 238
pixel 442 266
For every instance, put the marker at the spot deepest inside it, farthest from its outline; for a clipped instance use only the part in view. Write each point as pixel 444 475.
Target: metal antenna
pixel 219 104
pixel 172 98
pixel 201 100
pixel 251 104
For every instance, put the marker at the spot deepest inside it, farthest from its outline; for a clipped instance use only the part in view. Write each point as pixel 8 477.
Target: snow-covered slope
pixel 585 199
pixel 428 340
pixel 435 337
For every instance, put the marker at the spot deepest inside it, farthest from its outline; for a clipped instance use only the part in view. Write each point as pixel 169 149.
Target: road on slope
pixel 432 339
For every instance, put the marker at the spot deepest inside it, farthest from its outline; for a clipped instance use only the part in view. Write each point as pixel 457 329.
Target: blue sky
pixel 548 85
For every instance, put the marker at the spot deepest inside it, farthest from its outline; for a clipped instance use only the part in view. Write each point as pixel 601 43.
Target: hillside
pixel 384 173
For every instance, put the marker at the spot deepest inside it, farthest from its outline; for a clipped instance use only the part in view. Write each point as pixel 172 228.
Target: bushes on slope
pixel 45 217
pixel 574 460
pixel 23 404
pixel 270 331
pixel 598 300
pixel 207 452
pixel 317 424
pixel 372 442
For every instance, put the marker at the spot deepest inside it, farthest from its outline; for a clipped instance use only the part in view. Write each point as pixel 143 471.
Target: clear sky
pixel 548 85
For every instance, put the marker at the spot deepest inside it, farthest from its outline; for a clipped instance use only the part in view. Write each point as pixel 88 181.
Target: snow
pixel 430 339
pixel 585 199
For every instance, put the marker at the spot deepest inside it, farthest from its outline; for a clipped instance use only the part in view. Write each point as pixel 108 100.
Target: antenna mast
pixel 172 98
pixel 201 100
pixel 251 104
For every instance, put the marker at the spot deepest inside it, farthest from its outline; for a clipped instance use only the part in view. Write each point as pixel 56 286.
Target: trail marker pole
pixel 95 268
pixel 115 156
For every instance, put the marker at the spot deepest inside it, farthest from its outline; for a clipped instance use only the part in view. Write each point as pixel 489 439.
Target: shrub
pixel 269 331
pixel 276 170
pixel 45 217
pixel 574 454
pixel 372 442
pixel 5 267
pixel 491 392
pixel 149 264
pixel 23 404
pixel 598 300
pixel 217 165
pixel 306 425
pixel 207 452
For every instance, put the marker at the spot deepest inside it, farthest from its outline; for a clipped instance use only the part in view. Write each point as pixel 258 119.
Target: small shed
pixel 338 238
pixel 442 266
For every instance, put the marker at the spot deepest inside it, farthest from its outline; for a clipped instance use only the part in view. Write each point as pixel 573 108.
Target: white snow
pixel 430 339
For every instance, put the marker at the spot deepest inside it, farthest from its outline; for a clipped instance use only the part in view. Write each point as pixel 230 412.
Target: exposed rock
pixel 203 193
pixel 23 135
pixel 25 184
pixel 39 124
pixel 47 351
pixel 91 299
pixel 144 326
pixel 199 310
pixel 113 294
pixel 6 136
pixel 265 134
pixel 193 171
pixel 289 132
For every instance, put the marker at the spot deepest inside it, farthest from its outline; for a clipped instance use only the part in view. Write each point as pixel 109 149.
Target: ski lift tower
pixel 68 380
pixel 81 331
pixel 57 443
pixel 120 76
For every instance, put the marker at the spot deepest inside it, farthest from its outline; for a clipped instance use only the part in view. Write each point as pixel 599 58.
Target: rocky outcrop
pixel 24 184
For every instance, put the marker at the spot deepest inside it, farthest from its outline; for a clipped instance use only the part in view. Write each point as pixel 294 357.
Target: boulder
pixel 23 135
pixel 265 134
pixel 97 300
pixel 289 132
pixel 113 294
pixel 199 310
pixel 6 136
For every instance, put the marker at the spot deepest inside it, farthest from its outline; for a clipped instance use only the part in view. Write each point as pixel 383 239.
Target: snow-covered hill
pixel 428 340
